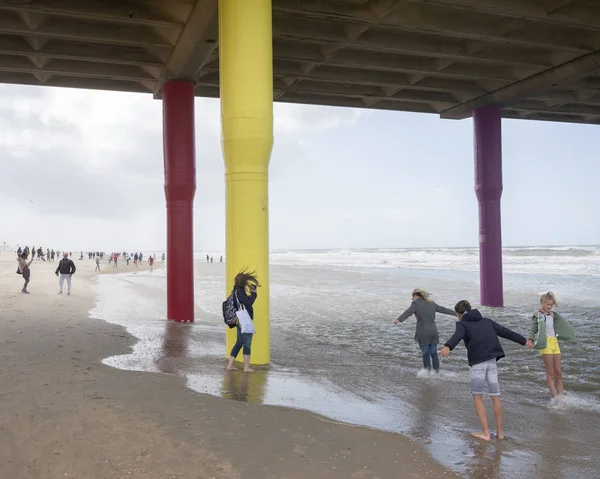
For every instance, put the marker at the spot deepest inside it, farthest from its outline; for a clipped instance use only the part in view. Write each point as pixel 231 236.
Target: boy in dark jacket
pixel 483 351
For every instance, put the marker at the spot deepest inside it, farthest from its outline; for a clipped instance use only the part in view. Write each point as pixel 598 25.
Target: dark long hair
pixel 245 279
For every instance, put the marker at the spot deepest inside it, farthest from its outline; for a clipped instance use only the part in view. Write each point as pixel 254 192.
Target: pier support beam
pixel 246 76
pixel 180 188
pixel 488 187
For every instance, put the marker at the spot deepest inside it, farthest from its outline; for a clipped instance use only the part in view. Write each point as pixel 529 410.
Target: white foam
pixel 572 401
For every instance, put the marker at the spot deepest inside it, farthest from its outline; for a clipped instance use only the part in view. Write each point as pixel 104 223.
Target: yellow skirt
pixel 551 346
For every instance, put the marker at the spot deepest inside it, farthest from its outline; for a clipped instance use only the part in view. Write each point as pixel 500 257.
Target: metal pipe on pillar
pixel 488 187
pixel 180 188
pixel 246 76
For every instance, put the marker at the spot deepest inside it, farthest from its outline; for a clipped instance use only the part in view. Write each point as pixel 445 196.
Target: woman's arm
pixel 407 314
pixel 244 299
pixel 441 309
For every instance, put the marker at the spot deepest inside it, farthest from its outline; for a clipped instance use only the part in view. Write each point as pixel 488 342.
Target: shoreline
pixel 66 414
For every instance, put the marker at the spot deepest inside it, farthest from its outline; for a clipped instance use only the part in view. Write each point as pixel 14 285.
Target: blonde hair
pixel 549 296
pixel 421 293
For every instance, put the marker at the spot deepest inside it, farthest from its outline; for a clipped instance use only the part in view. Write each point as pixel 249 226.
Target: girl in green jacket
pixel 547 328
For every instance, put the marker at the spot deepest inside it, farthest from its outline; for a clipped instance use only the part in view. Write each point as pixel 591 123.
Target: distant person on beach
pixel 427 335
pixel 97 263
pixel 151 263
pixel 244 282
pixel 207 258
pixel 115 260
pixel 162 260
pixel 221 259
pixel 480 336
pixel 23 269
pixel 135 259
pixel 66 269
pixel 547 328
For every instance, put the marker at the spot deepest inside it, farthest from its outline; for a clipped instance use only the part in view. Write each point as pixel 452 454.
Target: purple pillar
pixel 488 187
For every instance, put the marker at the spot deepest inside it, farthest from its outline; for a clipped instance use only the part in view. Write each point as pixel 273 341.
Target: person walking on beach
pixel 547 328
pixel 23 269
pixel 162 260
pixel 243 282
pixel 426 335
pixel 97 263
pixel 480 336
pixel 151 263
pixel 66 269
pixel 115 260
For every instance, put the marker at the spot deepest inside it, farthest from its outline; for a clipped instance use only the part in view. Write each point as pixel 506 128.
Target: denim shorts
pixel 482 373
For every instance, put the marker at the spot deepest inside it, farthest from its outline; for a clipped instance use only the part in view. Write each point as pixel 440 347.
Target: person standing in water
pixel 24 270
pixel 427 334
pixel 483 352
pixel 244 282
pixel 547 328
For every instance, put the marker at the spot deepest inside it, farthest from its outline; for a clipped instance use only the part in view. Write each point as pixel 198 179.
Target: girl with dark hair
pixel 244 282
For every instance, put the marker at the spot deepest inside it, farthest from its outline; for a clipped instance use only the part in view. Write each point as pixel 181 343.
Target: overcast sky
pixel 84 170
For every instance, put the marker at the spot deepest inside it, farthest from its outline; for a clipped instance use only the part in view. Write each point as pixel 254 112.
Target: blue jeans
pixel 243 340
pixel 429 352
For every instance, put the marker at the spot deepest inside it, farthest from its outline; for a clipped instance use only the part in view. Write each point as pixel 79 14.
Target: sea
pixel 336 351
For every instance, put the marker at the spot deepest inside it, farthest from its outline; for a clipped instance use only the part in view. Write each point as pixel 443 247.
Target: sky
pixel 83 170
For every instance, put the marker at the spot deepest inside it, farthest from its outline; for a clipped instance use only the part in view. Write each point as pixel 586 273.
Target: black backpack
pixel 230 310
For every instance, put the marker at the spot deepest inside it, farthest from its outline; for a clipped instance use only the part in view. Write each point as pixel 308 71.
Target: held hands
pixel 396 321
pixel 529 344
pixel 444 352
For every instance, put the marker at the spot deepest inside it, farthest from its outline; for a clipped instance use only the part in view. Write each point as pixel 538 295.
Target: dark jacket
pixel 424 311
pixel 243 299
pixel 481 337
pixel 66 266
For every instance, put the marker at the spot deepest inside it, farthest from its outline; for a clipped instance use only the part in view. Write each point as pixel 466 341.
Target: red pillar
pixel 488 187
pixel 180 188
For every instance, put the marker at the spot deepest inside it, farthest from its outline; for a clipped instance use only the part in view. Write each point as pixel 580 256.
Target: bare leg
pixel 247 367
pixel 482 416
pixel 496 401
pixel 556 360
pixel 230 366
pixel 550 377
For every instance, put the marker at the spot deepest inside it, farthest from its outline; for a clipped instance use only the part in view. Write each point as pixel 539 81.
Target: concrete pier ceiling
pixel 536 59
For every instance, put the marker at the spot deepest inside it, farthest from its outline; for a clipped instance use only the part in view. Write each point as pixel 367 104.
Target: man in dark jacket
pixel 483 351
pixel 66 269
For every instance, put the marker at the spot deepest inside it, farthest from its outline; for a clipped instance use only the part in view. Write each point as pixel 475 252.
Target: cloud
pixel 75 157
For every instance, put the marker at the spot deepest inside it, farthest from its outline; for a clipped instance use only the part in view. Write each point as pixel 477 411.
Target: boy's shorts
pixel 482 373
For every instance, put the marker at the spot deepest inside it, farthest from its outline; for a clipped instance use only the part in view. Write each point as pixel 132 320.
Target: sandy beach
pixel 66 415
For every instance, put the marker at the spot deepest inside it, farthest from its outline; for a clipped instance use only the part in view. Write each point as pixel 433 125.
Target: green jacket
pixel 563 329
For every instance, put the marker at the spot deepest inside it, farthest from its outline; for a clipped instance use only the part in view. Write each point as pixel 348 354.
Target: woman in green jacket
pixel 548 327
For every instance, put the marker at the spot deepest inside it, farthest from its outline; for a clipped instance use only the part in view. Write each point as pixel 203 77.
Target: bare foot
pixel 482 436
pixel 230 368
pixel 249 370
pixel 500 436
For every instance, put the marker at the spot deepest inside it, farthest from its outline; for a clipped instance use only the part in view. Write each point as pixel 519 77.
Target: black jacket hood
pixel 473 315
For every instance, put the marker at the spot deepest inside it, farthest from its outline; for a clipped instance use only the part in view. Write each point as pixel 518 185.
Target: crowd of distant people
pixel 66 267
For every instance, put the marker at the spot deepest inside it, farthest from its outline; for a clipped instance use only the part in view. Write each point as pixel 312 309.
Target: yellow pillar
pixel 246 75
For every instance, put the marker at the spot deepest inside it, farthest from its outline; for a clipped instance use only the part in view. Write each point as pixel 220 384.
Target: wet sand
pixel 65 414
